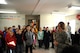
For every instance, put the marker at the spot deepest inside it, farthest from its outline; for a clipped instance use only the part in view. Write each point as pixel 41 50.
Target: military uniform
pixel 61 38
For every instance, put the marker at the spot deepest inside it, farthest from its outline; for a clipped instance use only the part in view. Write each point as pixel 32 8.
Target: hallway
pixel 44 51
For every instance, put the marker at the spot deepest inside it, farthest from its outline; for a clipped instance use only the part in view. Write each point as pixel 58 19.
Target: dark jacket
pixel 46 36
pixel 19 38
pixel 2 40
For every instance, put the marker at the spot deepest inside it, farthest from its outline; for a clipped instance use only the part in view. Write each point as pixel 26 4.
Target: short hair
pixel 68 23
pixel 34 24
pixel 43 27
pixel 9 28
pixel 62 25
pixel 13 26
pixel 46 27
pixel 28 25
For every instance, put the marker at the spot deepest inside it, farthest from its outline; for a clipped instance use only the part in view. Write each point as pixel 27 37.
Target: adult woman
pixel 40 37
pixel 46 38
pixel 61 38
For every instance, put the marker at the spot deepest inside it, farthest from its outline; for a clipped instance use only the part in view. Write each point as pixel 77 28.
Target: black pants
pixel 1 50
pixel 28 47
pixel 46 44
pixel 40 43
pixel 52 40
pixel 19 48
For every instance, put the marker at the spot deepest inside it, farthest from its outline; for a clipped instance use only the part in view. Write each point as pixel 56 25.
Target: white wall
pixel 74 22
pixel 45 20
pixel 50 20
pixel 9 20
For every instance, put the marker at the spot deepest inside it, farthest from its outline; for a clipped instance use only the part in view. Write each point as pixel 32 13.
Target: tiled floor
pixel 44 51
pixel 37 50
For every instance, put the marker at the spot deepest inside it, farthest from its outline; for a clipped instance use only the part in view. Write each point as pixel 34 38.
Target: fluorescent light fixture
pixel 8 12
pixel 3 2
pixel 74 8
pixel 59 13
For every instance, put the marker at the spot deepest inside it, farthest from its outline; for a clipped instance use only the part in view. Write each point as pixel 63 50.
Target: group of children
pixel 13 39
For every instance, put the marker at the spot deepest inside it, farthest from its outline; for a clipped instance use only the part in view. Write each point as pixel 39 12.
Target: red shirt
pixel 9 39
pixel 1 32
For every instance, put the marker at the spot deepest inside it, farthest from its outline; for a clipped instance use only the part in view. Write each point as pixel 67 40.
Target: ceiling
pixel 36 7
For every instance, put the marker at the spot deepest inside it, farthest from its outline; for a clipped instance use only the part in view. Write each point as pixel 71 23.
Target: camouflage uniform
pixel 61 38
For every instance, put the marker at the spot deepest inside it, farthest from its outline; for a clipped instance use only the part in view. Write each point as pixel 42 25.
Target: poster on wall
pixel 11 17
pixel 8 20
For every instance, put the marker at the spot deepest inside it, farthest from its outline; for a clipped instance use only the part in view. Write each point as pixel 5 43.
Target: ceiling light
pixel 59 13
pixel 74 8
pixel 8 12
pixel 3 2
